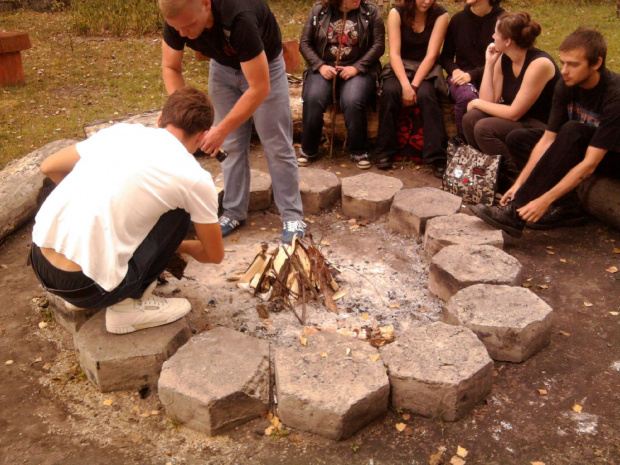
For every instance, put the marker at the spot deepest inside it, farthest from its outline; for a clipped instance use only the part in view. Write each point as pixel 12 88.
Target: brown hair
pixel 520 28
pixel 189 109
pixel 591 40
pixel 335 4
pixel 410 8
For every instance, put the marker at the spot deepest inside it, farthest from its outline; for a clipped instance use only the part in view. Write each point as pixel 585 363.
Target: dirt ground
pixel 50 415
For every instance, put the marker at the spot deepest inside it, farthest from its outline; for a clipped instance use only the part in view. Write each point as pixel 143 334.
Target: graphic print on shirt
pixel 576 112
pixel 348 38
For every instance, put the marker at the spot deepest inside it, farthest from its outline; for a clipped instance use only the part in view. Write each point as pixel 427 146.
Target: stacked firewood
pixel 295 273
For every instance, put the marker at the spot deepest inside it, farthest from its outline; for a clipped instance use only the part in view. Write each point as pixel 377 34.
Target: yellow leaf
pixel 550 247
pixel 613 313
pixel 303 341
pixel 252 223
pixel 38 359
pixel 612 269
pixel 144 415
pixel 344 166
pixel 348 351
pixel 355 226
pixel 542 392
pixel 263 229
pixel 269 430
pixel 563 260
pixel 275 421
pixel 435 459
pixel 550 252
pixel 42 325
pixel 337 172
pixel 395 305
pixel 364 316
pixel 461 451
pixel 537 463
pixel 456 460
pixel 588 304
pixel 616 250
pixel 423 266
pixel 374 357
pixel 406 416
pixel 400 426
pixel 325 243
pixel 107 402
pixel 154 412
pixel 564 333
pixel 324 354
pixel 577 408
pixel 9 362
pixel 543 286
pixel 47 366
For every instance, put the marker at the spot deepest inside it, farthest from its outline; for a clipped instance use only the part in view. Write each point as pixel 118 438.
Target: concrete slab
pixel 218 380
pixel 512 322
pixel 319 189
pixel 458 266
pixel 412 208
pixel 331 387
pixel 68 316
pixel 115 362
pixel 438 371
pixel 368 196
pixel 261 192
pixel 460 229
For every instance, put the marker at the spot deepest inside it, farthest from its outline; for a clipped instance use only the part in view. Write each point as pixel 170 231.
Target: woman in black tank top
pixel 516 91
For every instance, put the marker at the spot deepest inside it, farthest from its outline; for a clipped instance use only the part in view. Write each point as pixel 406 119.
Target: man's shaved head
pixel 173 8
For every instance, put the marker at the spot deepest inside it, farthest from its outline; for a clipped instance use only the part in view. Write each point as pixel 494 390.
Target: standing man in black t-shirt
pixel 247 78
pixel 583 135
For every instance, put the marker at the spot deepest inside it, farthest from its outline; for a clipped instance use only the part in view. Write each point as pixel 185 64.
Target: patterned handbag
pixel 471 174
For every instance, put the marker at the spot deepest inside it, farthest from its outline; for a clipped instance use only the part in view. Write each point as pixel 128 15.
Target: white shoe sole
pixel 126 329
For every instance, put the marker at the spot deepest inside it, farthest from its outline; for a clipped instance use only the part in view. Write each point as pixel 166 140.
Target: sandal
pixel 305 160
pixel 384 163
pixel 361 161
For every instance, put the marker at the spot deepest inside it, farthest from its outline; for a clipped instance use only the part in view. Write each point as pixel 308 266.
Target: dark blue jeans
pixel 148 262
pixel 356 95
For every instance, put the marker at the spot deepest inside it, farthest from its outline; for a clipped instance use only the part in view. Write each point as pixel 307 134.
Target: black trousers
pixel 148 262
pixel 566 152
pixel 435 137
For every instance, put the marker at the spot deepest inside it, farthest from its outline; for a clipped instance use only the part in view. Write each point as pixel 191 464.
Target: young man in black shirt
pixel 247 79
pixel 583 135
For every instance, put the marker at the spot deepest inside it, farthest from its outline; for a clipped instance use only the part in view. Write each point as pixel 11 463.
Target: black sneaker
pixel 505 218
pixel 557 217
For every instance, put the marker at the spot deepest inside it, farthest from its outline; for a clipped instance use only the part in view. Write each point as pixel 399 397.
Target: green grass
pixel 72 80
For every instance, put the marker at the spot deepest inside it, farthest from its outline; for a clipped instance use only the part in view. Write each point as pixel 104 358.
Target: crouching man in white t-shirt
pixel 122 208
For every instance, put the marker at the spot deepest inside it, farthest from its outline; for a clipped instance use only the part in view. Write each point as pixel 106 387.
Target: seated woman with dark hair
pixel 469 33
pixel 416 30
pixel 516 91
pixel 350 54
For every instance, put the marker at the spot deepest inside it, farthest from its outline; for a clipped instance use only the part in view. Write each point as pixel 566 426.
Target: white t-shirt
pixel 127 177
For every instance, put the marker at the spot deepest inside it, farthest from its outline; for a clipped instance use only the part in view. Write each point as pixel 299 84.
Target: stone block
pixel 69 316
pixel 319 189
pixel 261 191
pixel 512 322
pixel 438 371
pixel 412 208
pixel 331 386
pixel 458 266
pixel 218 380
pixel 460 229
pixel 115 362
pixel 368 196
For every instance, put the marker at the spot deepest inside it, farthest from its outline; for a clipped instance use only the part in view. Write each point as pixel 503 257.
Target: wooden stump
pixel 601 197
pixel 11 69
pixel 292 57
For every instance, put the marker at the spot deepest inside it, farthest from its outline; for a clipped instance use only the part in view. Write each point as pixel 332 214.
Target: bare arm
pixel 538 151
pixel 394 40
pixel 536 77
pixel 172 67
pixel 209 248
pixel 432 51
pixel 256 72
pixel 492 78
pixel 59 165
pixel 537 207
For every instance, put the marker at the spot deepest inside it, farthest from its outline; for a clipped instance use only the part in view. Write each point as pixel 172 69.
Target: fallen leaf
pixel 269 430
pixel 563 260
pixel 542 392
pixel 423 266
pixel 263 229
pixel 400 427
pixel 309 330
pixel 352 221
pixel 235 239
pixel 145 414
pixel 537 463
pixel 9 362
pixel 614 313
pixel 348 351
pixel 564 333
pixel 325 243
pixel 456 460
pixel 38 359
pixel 577 408
pixel 344 166
pixel 42 325
pixel 612 269
pixel 616 250
pixel 154 412
pixel 394 305
pixel 435 459
pixel 365 316
pixel 461 451
pixel 275 421
pixel 252 223
pixel 47 366
pixel 375 357
pixel 337 172
pixel 550 247
pixel 550 252
pixel 588 304
pixel 303 341
pixel 107 402
pixel 355 226
pixel 338 295
pixel 543 286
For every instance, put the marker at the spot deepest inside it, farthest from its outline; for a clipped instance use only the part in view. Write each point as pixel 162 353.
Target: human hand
pixel 213 140
pixel 461 79
pixel 409 96
pixel 491 55
pixel 533 211
pixel 328 72
pixel 473 105
pixel 509 195
pixel 347 72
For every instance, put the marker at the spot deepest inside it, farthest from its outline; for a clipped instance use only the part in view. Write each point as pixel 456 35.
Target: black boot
pixel 561 215
pixel 439 168
pixel 505 218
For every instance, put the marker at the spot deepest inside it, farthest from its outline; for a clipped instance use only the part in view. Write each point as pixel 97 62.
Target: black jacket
pixel 467 39
pixel 313 41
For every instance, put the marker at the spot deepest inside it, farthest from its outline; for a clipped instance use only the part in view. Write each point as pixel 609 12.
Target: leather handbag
pixel 471 174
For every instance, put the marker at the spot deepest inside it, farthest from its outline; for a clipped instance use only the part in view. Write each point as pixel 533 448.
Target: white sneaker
pixel 130 315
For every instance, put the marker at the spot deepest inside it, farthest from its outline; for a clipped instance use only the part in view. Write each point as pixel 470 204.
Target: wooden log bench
pixel 11 46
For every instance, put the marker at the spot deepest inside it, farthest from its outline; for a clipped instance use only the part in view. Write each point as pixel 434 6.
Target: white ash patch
pixel 585 423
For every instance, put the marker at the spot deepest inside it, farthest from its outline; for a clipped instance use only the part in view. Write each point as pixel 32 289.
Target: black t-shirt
pixel 350 49
pixel 241 31
pixel 511 85
pixel 598 107
pixel 413 45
